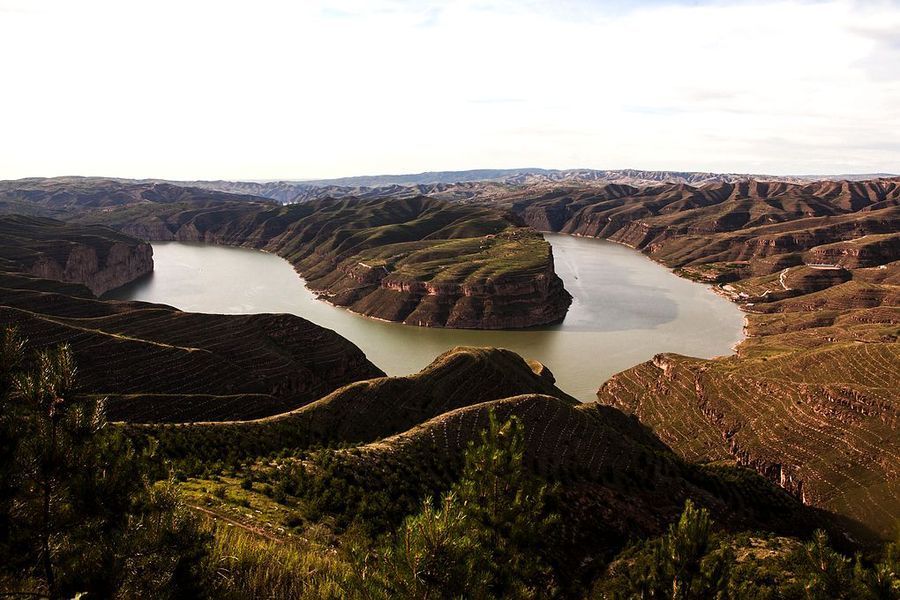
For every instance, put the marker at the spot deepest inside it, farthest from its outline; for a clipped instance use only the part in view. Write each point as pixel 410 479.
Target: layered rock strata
pixel 96 257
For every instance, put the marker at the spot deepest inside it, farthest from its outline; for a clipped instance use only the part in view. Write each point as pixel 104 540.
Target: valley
pixel 419 261
pixel 795 432
pixel 625 309
pixel 468 300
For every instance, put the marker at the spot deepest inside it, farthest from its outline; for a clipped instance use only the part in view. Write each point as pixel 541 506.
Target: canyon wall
pixel 96 257
pixel 123 264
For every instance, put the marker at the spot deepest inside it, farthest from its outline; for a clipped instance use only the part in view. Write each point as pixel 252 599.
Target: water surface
pixel 626 309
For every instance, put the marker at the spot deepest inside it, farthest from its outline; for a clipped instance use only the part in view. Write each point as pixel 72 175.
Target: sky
pixel 191 89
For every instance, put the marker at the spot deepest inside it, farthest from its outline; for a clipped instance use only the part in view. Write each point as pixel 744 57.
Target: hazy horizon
pixel 320 90
pixel 435 171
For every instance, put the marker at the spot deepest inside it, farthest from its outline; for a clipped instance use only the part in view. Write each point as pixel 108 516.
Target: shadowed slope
pixel 611 471
pixel 97 257
pixel 154 362
pixel 368 410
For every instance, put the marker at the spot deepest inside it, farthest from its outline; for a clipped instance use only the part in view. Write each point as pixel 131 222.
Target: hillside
pixel 415 260
pixel 411 432
pixel 815 266
pixel 618 476
pixel 96 257
pixel 368 410
pixel 153 361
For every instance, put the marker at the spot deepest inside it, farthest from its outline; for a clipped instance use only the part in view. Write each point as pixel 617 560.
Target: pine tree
pixel 684 564
pixel 60 426
pixel 487 539
pixel 83 515
pixel 11 351
pixel 828 573
pixel 694 574
pixel 882 581
pixel 507 507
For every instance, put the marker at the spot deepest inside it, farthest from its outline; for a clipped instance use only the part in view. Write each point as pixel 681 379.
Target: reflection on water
pixel 626 309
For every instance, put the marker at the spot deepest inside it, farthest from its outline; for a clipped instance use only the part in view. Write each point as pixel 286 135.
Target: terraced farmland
pixel 156 363
pixel 811 400
pixel 376 408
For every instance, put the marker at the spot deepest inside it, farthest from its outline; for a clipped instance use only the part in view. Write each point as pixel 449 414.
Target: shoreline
pixel 717 290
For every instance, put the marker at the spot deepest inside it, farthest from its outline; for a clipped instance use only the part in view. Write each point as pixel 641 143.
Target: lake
pixel 626 308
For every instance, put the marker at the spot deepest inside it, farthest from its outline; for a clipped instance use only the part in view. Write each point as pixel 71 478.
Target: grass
pixel 244 565
pixel 224 495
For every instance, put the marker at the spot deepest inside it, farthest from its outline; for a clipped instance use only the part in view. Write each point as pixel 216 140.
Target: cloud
pixel 315 89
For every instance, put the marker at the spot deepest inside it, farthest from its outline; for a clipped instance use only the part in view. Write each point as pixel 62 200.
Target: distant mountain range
pixel 459 184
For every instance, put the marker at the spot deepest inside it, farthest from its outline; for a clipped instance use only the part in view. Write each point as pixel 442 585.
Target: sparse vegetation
pixel 79 513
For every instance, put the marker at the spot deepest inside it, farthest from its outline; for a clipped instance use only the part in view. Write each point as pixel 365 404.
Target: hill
pixel 97 257
pixel 415 260
pixel 618 476
pixel 456 183
pixel 405 437
pixel 154 362
pixel 368 410
pixel 151 361
pixel 62 197
pixel 810 400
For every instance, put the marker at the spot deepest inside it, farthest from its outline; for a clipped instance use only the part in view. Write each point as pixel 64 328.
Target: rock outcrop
pixel 96 257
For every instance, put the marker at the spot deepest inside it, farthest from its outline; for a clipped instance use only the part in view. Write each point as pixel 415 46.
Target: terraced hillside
pixel 811 399
pixel 368 410
pixel 97 257
pixel 154 362
pixel 157 363
pixel 614 472
pixel 418 261
pixel 411 433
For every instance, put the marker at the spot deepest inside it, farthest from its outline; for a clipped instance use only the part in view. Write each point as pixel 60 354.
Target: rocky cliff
pixel 96 257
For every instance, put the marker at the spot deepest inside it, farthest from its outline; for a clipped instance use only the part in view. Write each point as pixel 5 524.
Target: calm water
pixel 626 309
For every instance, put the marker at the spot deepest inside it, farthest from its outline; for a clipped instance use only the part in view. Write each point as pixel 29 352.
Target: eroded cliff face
pixel 122 264
pixel 513 300
pixel 97 257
